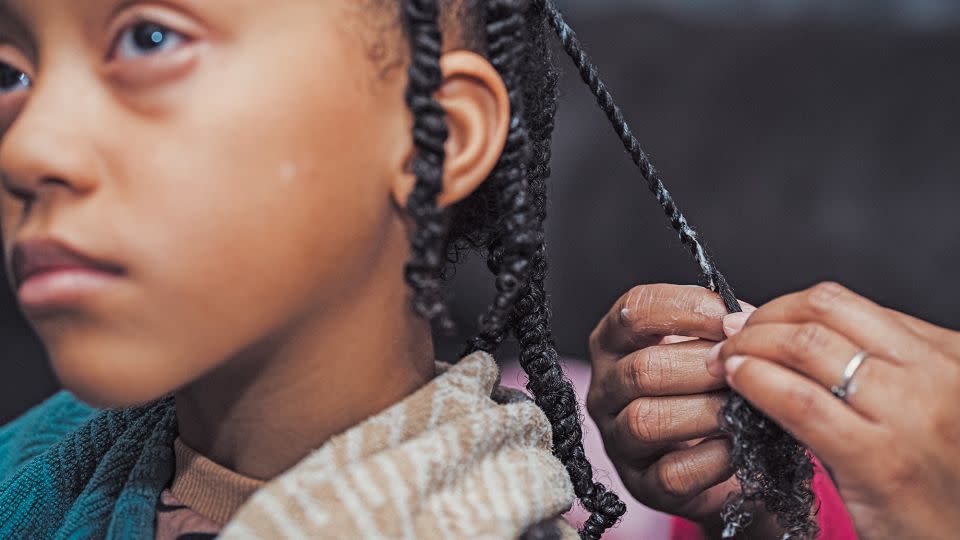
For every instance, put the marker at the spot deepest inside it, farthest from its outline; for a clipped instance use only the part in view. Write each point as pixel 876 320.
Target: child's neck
pixel 264 411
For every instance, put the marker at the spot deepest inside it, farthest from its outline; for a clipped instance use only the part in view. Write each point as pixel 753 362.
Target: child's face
pixel 231 161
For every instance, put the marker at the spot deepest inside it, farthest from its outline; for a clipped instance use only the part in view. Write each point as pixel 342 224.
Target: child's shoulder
pixel 39 428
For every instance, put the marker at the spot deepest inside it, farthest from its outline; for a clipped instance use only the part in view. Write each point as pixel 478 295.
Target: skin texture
pixel 654 398
pixel 892 445
pixel 250 181
pixel 656 405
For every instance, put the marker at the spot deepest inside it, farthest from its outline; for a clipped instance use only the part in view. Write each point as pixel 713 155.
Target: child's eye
pixel 12 79
pixel 144 39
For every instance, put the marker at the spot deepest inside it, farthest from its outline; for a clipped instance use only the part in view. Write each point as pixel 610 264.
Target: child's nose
pixel 49 147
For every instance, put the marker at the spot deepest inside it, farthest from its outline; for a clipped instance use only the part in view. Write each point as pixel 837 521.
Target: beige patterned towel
pixel 460 458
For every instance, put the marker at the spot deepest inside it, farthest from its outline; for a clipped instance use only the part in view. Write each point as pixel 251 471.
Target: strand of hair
pixel 688 236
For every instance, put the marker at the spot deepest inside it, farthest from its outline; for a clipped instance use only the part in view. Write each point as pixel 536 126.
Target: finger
pixel 670 340
pixel 644 315
pixel 680 477
pixel 661 370
pixel 939 335
pixel 647 426
pixel 816 351
pixel 831 429
pixel 704 508
pixel 865 323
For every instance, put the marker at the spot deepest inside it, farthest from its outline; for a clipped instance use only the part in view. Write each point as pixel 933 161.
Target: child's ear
pixel 477 106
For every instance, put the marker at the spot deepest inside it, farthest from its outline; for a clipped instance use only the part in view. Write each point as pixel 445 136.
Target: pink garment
pixel 642 522
pixel 176 520
pixel 835 522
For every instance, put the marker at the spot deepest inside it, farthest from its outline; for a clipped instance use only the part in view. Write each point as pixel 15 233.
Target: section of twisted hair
pixel 504 218
pixel 772 467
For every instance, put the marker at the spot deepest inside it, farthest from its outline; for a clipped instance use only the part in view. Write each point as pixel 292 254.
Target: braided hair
pixel 771 466
pixel 504 219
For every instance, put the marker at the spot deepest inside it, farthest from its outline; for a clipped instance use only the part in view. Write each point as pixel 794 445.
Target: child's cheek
pixel 249 193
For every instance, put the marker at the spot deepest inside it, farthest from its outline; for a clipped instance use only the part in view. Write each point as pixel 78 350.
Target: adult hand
pixel 892 442
pixel 655 403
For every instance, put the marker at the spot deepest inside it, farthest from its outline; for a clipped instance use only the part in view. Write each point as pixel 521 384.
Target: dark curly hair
pixel 504 220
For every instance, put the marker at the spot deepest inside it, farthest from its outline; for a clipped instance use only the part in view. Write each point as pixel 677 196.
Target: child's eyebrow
pixel 7 20
pixel 9 23
pixel 8 16
pixel 6 10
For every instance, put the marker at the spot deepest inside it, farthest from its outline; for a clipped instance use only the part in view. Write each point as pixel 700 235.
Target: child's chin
pixel 105 384
pixel 103 397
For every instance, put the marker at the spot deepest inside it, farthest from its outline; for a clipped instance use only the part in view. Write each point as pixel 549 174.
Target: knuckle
pixel 822 298
pixel 807 339
pixel 640 301
pixel 646 371
pixel 677 479
pixel 638 375
pixel 801 407
pixel 645 422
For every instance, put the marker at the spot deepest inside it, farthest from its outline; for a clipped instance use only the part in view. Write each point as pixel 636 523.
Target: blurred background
pixel 805 140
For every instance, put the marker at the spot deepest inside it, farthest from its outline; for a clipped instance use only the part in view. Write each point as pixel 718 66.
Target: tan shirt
pixel 202 498
pixel 462 457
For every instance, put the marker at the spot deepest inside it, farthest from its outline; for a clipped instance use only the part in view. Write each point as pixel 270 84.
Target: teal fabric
pixel 70 471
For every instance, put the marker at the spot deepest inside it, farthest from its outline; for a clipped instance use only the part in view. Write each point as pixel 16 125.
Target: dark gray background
pixel 806 140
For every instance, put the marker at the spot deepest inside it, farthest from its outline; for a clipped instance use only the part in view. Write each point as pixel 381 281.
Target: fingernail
pixel 733 364
pixel 714 367
pixel 733 323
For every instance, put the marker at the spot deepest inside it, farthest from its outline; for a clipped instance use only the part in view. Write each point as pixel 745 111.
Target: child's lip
pixel 49 292
pixel 37 257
